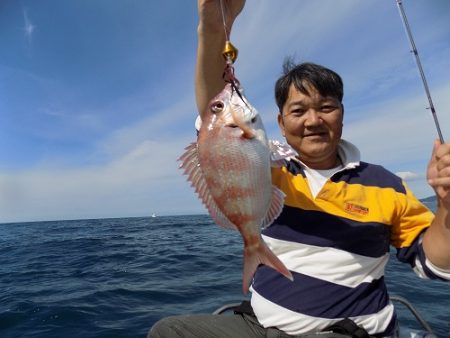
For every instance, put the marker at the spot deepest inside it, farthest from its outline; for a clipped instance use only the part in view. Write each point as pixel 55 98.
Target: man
pixel 339 219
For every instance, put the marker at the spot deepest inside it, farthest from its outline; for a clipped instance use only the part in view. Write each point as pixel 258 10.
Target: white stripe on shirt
pixel 328 264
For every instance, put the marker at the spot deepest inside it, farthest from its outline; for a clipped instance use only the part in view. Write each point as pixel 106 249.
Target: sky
pixel 97 96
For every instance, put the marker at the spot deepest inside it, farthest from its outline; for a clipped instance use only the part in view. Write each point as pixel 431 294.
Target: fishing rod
pixel 419 65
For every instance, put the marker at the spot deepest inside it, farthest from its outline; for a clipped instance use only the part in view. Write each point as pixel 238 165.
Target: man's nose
pixel 313 118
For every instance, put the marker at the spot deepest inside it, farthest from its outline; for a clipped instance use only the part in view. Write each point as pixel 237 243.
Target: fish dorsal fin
pixel 276 206
pixel 191 167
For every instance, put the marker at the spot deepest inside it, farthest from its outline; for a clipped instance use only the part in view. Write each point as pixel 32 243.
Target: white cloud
pixel 408 175
pixel 159 125
pixel 28 26
pixel 144 180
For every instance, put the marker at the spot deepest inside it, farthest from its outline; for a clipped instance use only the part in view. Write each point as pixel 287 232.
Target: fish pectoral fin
pixel 280 153
pixel 276 206
pixel 191 167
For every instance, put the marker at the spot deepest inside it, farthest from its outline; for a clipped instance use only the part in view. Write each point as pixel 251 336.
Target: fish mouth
pixel 232 125
pixel 247 132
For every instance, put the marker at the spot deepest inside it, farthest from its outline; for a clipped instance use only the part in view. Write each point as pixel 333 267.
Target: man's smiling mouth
pixel 315 134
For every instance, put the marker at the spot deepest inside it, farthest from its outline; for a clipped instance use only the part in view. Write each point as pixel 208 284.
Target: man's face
pixel 312 125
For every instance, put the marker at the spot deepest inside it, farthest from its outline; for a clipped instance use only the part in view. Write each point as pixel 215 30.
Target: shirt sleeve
pixel 407 233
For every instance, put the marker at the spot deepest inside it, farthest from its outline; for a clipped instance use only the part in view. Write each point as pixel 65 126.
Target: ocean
pixel 116 277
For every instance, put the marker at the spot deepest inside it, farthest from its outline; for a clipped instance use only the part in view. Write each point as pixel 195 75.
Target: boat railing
pixel 416 314
pixel 225 308
pixel 396 299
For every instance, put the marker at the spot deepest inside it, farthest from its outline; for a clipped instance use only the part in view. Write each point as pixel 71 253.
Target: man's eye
pixel 327 108
pixel 297 112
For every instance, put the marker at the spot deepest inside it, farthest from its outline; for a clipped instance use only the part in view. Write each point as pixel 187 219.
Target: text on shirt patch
pixel 356 209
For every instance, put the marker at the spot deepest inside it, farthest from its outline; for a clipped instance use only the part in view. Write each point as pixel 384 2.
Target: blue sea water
pixel 116 277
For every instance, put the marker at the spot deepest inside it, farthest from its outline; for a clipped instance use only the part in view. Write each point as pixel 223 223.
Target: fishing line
pixel 419 65
pixel 222 10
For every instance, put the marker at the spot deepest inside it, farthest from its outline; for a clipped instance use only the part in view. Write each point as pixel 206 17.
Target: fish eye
pixel 254 119
pixel 217 107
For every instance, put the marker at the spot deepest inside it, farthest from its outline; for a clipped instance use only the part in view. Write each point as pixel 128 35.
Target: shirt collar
pixel 348 153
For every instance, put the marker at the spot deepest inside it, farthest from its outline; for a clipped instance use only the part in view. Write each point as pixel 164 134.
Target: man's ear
pixel 281 123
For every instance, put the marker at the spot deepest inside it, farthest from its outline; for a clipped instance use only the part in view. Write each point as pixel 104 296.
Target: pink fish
pixel 229 167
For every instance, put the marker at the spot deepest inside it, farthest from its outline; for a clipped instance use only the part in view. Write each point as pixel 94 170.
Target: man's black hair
pixel 324 80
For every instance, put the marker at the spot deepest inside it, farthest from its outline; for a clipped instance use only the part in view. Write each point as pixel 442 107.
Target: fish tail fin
pixel 261 255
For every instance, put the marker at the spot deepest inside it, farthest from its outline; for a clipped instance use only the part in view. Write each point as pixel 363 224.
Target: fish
pixel 229 168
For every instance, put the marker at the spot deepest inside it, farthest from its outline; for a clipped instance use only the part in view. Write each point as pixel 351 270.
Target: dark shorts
pixel 208 326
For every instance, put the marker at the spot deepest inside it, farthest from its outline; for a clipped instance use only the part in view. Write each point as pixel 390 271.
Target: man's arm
pixel 211 41
pixel 436 241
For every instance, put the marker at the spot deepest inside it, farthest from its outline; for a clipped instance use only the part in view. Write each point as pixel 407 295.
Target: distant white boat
pixel 153 215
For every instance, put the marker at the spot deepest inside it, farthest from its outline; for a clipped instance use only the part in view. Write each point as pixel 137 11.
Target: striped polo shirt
pixel 336 244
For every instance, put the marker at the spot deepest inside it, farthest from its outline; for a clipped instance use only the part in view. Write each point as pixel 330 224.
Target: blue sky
pixel 97 98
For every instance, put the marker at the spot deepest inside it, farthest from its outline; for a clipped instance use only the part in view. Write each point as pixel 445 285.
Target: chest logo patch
pixel 356 209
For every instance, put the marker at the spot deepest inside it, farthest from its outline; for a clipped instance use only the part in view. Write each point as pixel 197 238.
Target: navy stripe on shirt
pixel 319 298
pixel 295 168
pixel 370 239
pixel 370 175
